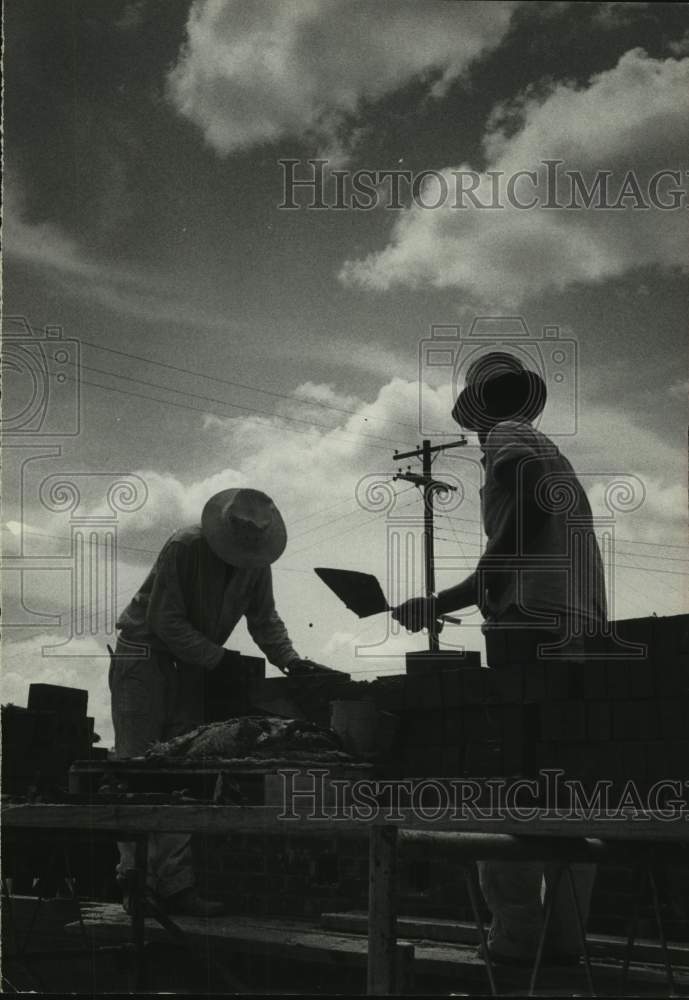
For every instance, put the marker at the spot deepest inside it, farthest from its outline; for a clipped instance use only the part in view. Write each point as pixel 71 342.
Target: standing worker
pixel 540 587
pixel 204 579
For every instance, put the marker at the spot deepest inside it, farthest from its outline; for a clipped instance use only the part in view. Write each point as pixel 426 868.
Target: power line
pixel 659 545
pixel 323 510
pixel 224 402
pixel 194 409
pixel 642 555
pixel 653 569
pixel 238 385
pixel 354 527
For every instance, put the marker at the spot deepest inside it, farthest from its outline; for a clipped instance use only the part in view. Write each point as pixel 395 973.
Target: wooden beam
pixel 316 820
pixel 382 908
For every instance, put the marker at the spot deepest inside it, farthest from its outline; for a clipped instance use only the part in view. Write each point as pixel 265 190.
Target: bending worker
pixel 204 579
pixel 540 588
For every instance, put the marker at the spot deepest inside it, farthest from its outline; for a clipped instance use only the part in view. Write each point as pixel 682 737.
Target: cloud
pixel 255 71
pixel 630 118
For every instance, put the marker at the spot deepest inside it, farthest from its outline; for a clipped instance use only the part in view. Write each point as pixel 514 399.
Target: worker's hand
pixel 231 660
pixel 300 667
pixel 417 613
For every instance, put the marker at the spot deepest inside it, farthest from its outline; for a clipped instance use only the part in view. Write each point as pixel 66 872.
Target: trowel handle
pixel 450 619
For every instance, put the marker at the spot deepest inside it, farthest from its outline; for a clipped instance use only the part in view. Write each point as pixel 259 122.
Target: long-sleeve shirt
pixel 191 601
pixel 557 569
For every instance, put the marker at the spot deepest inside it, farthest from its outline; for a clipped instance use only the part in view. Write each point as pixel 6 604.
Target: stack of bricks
pixel 621 715
pixel 40 742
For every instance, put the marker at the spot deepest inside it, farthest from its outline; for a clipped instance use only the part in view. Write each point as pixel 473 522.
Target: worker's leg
pixel 563 934
pixel 512 890
pixel 172 861
pixel 138 704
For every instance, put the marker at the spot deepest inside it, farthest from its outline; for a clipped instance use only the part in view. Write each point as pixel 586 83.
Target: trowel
pixel 361 592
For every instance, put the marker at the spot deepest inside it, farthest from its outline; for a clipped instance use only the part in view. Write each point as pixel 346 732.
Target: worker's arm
pixel 167 614
pixel 266 627
pixel 519 473
pixel 422 612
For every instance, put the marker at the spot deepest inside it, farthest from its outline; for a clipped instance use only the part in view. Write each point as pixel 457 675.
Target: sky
pixel 216 339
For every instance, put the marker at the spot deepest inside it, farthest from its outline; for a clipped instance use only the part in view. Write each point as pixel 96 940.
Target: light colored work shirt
pixel 559 570
pixel 191 601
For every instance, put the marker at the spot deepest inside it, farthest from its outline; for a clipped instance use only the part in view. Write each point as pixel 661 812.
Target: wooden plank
pixel 208 765
pixel 272 936
pixel 382 909
pixel 221 819
pixel 462 966
pixel 601 946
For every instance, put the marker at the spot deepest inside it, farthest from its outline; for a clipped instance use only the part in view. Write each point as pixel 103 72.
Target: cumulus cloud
pixel 630 118
pixel 254 71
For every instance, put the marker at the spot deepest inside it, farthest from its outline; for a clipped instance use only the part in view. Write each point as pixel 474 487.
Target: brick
pixel 671 635
pixel 509 684
pixel 483 760
pixel 452 761
pixel 558 681
pixel 480 722
pixel 423 728
pixel 422 662
pixel 563 720
pixel 598 720
pixel 67 702
pixel 534 682
pixel 672 675
pixel 618 680
pixel 477 686
pixel 635 720
pixel 674 717
pixel 520 731
pixel 423 691
pixel 658 761
pixel 642 679
pixel 424 762
pixel 453 728
pixel 678 759
pixel 630 764
pixel 451 688
pixel 593 680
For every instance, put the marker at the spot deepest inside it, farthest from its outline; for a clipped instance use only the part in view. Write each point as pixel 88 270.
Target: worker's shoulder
pixel 518 432
pixel 187 537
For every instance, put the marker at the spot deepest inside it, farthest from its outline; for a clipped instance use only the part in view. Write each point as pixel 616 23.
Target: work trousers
pixel 514 890
pixel 153 699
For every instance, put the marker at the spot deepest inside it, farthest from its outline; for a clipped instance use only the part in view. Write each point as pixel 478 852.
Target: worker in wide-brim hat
pixel 540 587
pixel 205 579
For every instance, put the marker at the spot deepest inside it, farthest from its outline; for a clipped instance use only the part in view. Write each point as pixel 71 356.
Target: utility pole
pixel 429 486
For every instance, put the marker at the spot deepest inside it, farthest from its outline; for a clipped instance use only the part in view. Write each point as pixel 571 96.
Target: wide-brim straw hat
pixel 499 387
pixel 244 528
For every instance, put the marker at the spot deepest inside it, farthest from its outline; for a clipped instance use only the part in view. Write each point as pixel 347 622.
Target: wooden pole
pixel 382 911
pixel 427 458
pixel 137 902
